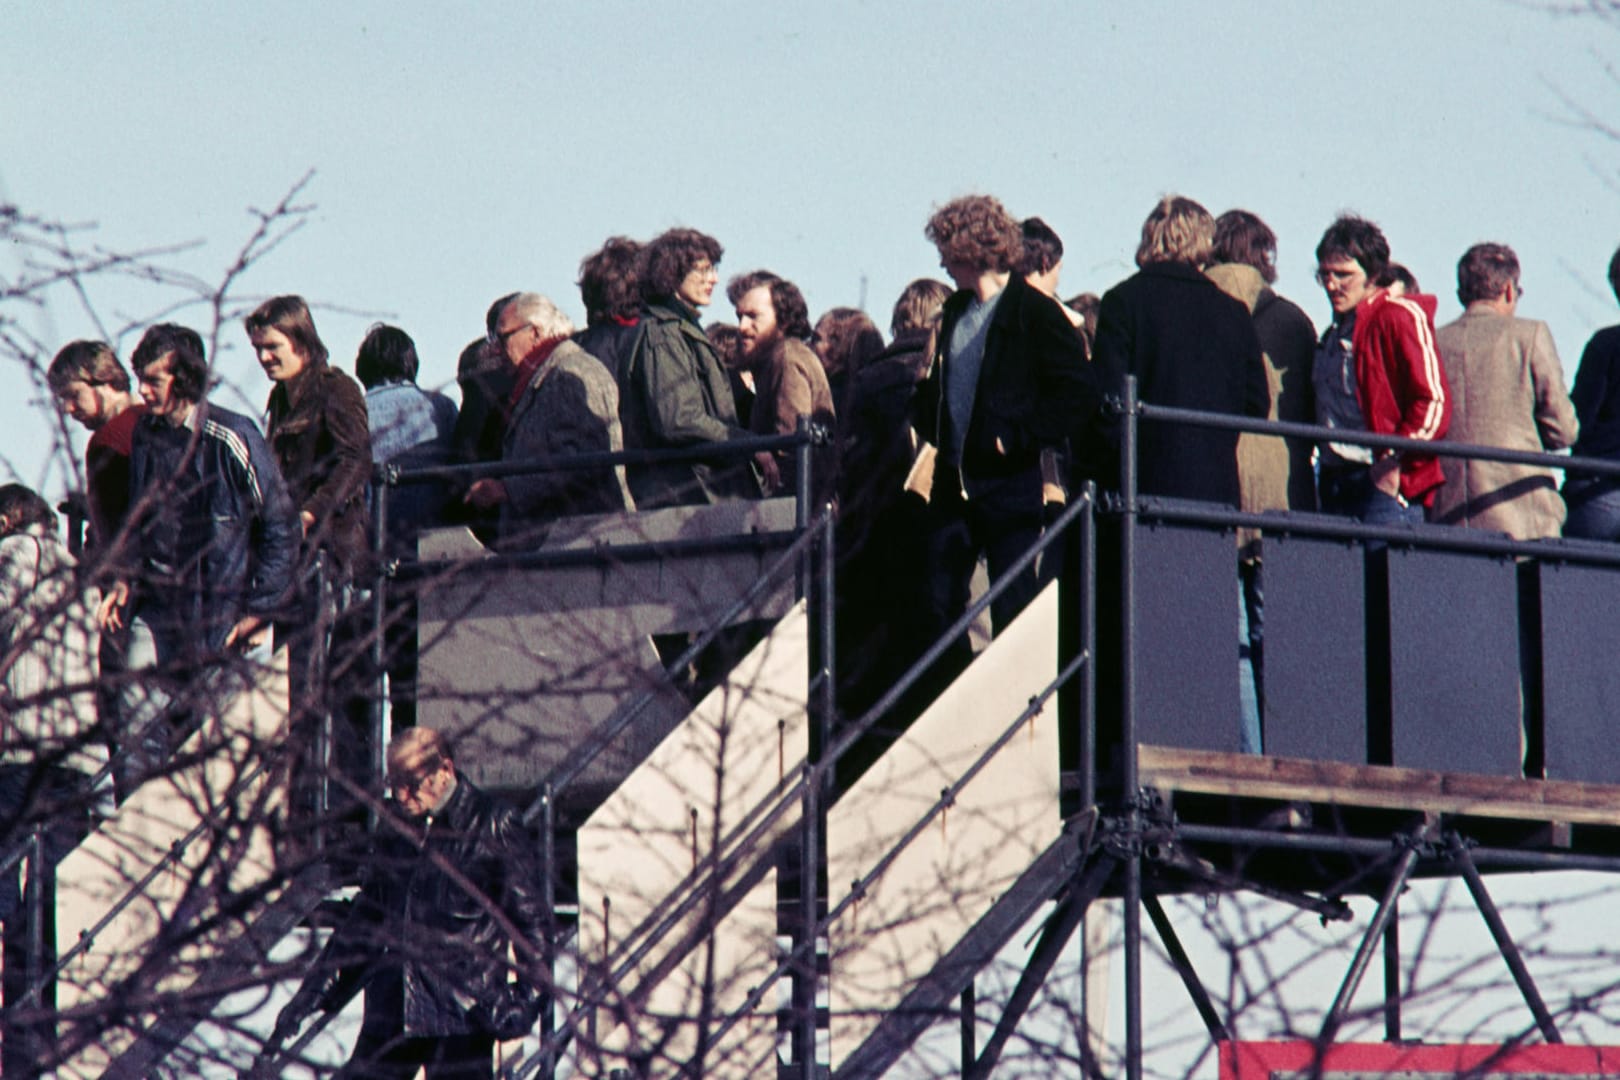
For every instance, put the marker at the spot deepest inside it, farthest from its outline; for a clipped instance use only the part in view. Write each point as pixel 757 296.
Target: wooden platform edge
pixel 1378 786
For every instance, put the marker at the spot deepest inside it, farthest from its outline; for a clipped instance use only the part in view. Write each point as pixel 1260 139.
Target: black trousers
pixel 383 1056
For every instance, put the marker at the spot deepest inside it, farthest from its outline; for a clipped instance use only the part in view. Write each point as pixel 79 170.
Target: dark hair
pixel 1043 249
pixel 1396 272
pixel 1614 273
pixel 1485 271
pixel 608 281
pixel 1087 305
pixel 976 231
pixel 792 313
pixel 386 355
pixel 492 317
pixel 187 365
pixel 1351 237
pixel 849 339
pixel 918 309
pixel 91 362
pixel 671 256
pixel 22 506
pixel 1241 237
pixel 727 342
pixel 290 316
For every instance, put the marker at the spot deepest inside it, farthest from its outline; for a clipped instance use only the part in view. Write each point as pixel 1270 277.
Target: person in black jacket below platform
pixel 427 943
pixel 1008 379
pixel 1190 346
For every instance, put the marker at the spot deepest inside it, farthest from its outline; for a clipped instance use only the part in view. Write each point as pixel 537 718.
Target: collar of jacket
pixel 1183 270
pixel 292 392
pixel 685 318
pixel 459 809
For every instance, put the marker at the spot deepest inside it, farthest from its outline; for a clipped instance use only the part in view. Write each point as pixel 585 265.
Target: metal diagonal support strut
pixel 1458 852
pixel 1402 873
pixel 1082 889
pixel 1183 965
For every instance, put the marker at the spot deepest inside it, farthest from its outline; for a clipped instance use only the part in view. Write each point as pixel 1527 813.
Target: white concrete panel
pixel 637 847
pixel 236 854
pixel 951 874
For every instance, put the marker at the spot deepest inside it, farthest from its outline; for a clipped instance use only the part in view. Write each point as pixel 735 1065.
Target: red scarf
pixel 531 364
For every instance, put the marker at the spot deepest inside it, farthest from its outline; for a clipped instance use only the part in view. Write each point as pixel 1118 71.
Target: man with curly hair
pixel 789 381
pixel 1008 379
pixel 673 392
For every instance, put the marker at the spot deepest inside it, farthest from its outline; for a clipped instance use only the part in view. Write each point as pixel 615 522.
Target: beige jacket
pixel 1507 390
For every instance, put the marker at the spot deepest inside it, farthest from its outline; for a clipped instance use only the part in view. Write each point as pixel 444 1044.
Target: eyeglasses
pixel 1325 276
pixel 405 786
pixel 502 335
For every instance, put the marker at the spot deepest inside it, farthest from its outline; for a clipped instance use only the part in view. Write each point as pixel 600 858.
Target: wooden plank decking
pixel 1376 786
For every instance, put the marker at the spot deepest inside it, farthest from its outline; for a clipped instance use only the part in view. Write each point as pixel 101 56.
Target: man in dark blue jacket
pixel 216 532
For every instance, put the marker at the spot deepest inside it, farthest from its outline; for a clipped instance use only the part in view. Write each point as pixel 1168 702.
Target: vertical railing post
pixel 1127 676
pixel 318 695
pixel 548 908
pixel 383 482
pixel 32 1034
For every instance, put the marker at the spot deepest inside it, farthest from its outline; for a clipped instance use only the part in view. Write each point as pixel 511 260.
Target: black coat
pixel 431 943
pixel 1035 390
pixel 1190 346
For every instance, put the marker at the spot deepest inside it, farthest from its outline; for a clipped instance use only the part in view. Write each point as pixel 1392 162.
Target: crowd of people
pixel 958 439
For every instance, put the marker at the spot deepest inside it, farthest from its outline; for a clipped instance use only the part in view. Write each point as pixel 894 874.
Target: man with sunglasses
pixel 426 937
pixel 1376 369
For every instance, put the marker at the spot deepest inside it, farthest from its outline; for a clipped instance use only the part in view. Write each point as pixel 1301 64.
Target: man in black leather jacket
pixel 430 937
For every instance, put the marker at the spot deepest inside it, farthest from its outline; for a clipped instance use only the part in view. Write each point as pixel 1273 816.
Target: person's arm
pixel 1417 373
pixel 1592 379
pixel 275 534
pixel 567 421
pixel 349 464
pixel 1256 387
pixel 1555 414
pixel 673 389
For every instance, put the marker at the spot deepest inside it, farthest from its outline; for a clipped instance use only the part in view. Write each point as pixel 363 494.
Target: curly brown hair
pixel 670 257
pixel 976 231
pixel 792 313
pixel 608 283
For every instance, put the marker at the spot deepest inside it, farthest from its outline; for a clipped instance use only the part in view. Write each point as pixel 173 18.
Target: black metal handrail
pixel 1318 433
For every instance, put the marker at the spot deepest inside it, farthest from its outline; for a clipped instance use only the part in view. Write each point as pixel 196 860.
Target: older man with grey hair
pixel 564 403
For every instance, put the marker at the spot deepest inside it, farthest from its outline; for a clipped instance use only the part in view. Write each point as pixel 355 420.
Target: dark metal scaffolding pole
pixel 1358 966
pixel 1060 927
pixel 1183 965
pixel 1392 977
pixel 1504 942
pixel 1127 698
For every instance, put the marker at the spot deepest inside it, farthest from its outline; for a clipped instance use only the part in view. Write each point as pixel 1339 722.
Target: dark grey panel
pixel 1187 638
pixel 1580 634
pixel 1454 662
pixel 1316 650
pixel 523 665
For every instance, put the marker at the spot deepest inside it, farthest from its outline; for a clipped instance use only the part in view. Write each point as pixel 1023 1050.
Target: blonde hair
pixel 1178 230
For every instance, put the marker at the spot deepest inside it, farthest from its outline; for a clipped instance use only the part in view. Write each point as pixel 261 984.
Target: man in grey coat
pixel 1507 390
pixel 564 403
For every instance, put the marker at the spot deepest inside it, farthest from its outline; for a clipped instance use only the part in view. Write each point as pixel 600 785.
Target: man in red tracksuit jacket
pixel 1376 369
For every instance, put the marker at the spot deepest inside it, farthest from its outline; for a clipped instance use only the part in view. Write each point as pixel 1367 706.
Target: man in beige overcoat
pixel 1507 390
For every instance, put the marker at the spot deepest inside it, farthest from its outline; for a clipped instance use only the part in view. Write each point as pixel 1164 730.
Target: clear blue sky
pixel 463 152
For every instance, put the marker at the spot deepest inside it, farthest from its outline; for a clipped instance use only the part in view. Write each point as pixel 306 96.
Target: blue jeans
pixel 1594 511
pixel 1350 493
